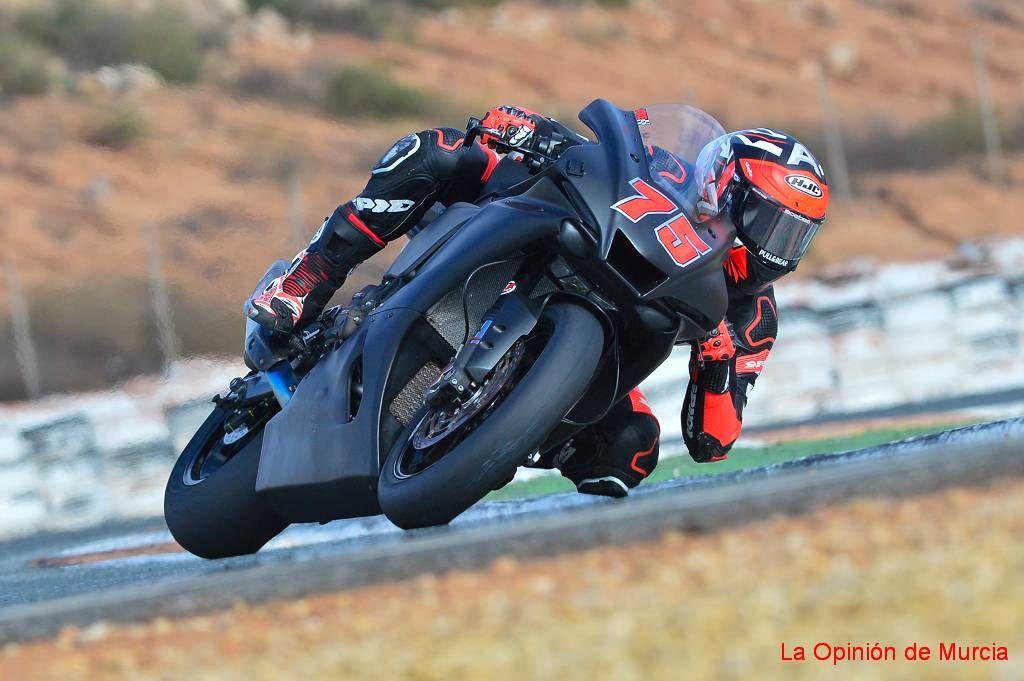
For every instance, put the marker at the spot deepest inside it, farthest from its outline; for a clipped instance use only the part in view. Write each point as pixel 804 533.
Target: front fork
pixel 510 318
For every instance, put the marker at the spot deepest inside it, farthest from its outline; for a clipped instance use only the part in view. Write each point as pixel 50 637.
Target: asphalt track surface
pixel 40 593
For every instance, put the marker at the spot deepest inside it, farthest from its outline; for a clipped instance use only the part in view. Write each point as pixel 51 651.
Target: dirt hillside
pixel 224 171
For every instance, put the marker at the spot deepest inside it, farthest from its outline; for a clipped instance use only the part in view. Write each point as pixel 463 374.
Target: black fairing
pixel 317 461
pixel 600 175
pixel 500 230
pixel 321 453
pixel 320 459
pixel 430 238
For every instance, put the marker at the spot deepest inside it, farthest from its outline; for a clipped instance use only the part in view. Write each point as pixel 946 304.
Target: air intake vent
pixel 632 266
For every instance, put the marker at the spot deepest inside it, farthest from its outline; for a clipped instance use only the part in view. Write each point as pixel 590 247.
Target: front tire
pixel 217 514
pixel 489 455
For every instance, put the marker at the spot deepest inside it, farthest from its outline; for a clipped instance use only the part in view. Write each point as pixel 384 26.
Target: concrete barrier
pixel 876 337
pixel 883 336
pixel 77 460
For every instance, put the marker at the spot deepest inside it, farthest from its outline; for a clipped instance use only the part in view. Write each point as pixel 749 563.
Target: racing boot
pixel 299 295
pixel 611 457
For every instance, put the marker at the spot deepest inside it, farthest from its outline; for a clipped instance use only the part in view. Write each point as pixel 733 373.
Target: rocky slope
pixel 238 168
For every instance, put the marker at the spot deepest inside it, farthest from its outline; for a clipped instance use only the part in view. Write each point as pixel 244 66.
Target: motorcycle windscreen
pixel 673 136
pixel 679 129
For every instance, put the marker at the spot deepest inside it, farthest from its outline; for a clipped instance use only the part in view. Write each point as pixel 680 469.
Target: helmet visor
pixel 776 234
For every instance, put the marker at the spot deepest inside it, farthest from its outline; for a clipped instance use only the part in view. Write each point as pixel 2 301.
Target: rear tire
pixel 220 515
pixel 495 447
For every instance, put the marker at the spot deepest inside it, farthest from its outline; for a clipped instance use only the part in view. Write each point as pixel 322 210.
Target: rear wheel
pixel 450 457
pixel 210 504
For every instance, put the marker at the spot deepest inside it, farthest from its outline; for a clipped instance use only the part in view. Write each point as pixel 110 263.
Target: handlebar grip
pixel 536 156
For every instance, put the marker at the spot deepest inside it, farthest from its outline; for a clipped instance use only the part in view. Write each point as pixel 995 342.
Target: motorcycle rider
pixel 769 185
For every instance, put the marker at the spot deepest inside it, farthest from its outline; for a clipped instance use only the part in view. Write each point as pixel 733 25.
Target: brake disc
pixel 441 422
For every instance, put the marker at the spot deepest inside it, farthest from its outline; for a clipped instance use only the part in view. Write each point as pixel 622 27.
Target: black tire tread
pixel 220 516
pixel 493 451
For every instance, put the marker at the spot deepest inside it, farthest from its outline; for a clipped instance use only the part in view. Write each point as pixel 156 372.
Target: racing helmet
pixel 774 190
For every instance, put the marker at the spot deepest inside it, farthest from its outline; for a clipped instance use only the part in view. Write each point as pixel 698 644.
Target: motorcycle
pixel 502 327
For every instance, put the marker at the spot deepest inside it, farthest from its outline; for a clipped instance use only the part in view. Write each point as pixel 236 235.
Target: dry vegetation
pixel 686 606
pixel 316 89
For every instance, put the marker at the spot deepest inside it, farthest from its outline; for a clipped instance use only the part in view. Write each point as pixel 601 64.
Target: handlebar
pixel 535 159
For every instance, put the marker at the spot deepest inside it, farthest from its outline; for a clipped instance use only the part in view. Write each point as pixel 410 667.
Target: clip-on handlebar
pixel 535 158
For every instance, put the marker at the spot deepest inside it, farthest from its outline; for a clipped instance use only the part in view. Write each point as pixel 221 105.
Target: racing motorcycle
pixel 501 328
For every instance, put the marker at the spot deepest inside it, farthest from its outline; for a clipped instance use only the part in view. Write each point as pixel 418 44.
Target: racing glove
pixel 514 130
pixel 513 127
pixel 713 355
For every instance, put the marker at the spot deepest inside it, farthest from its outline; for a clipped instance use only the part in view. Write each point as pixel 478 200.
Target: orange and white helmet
pixel 774 190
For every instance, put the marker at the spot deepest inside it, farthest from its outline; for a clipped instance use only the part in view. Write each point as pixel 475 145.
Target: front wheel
pixel 450 458
pixel 210 504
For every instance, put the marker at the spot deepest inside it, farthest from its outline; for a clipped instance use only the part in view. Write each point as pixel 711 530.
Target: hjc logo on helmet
pixel 805 185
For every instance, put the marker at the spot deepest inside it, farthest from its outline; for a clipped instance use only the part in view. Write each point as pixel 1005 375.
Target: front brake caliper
pixel 452 385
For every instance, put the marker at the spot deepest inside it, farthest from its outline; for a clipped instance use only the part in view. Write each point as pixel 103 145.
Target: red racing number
pixel 647 201
pixel 681 240
pixel 676 235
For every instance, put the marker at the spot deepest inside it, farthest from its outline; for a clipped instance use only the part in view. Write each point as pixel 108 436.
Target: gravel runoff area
pixel 939 569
